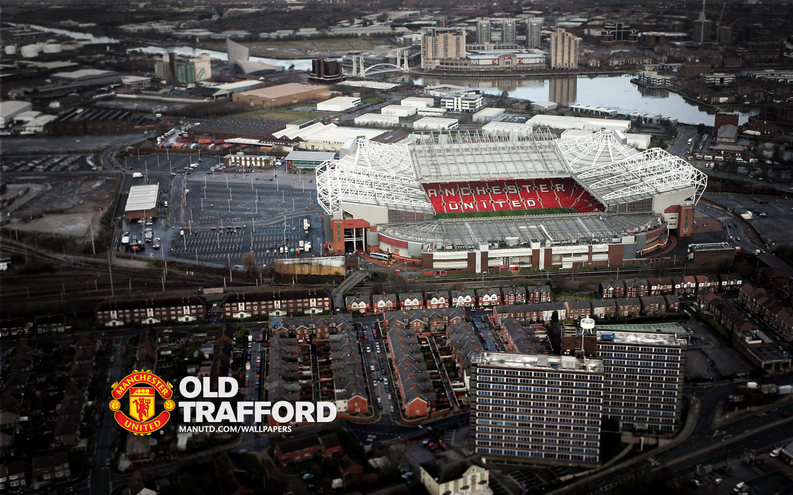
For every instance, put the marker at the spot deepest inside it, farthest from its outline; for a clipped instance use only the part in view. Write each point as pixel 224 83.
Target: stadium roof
pixel 142 198
pixel 468 155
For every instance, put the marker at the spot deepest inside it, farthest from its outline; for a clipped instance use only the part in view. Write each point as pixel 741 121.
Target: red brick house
pixel 488 297
pixel 357 304
pixel 653 305
pixel 276 303
pixel 628 306
pixel 612 289
pixel 604 308
pixel 672 303
pixel 729 282
pixel 384 302
pixel 704 282
pixel 409 300
pixel 436 299
pixel 293 450
pixel 578 309
pixel 116 313
pixel 660 286
pixel 514 295
pixel 539 294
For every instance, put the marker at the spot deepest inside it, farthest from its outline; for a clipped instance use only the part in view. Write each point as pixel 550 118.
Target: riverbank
pixel 487 75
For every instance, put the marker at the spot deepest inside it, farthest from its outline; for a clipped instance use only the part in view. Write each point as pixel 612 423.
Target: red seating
pixel 508 195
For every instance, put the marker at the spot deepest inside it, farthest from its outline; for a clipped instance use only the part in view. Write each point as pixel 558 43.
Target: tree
pixel 249 260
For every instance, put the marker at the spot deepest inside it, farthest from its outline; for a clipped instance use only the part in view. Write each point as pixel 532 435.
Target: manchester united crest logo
pixel 143 387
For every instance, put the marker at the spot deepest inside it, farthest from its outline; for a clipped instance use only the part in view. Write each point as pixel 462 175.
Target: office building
pixel 533 32
pixel 468 101
pixel 176 70
pixel 441 44
pixel 536 408
pixel 508 34
pixel 654 79
pixel 325 71
pixel 564 49
pixel 503 30
pixel 483 34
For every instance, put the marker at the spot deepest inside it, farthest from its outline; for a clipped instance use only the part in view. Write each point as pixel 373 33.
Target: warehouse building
pixel 338 104
pixel 377 120
pixel 142 202
pixel 10 109
pixel 435 124
pixel 282 94
pixel 488 115
pixel 398 110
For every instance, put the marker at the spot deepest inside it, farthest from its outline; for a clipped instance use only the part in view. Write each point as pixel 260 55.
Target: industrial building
pixel 398 110
pixel 338 104
pixel 417 102
pixel 377 120
pixel 567 122
pixel 487 115
pixel 142 202
pixel 281 95
pixel 10 109
pixel 435 124
pixel 320 137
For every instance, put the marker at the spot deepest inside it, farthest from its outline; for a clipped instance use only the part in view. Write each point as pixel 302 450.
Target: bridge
pixel 360 70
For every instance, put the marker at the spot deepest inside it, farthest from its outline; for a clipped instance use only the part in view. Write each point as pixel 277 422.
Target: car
pixel 374 382
pixel 775 452
pixel 385 381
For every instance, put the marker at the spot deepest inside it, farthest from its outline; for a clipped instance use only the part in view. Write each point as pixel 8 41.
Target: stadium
pixel 507 197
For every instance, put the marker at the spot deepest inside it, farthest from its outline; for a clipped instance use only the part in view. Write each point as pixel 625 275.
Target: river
pixel 611 91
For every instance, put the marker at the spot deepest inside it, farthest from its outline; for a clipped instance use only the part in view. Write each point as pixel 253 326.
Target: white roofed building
pixel 142 202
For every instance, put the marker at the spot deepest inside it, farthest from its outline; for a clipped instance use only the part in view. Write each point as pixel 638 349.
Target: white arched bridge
pixel 360 70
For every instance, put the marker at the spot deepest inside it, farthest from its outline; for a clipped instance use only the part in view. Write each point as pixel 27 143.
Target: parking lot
pixel 777 224
pixel 51 163
pixel 214 217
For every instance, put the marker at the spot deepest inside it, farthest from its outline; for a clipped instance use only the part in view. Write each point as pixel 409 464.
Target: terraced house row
pixel 597 308
pixel 678 285
pixel 464 298
pixel 413 381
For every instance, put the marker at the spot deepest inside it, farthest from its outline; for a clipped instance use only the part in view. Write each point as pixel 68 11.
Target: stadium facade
pixel 518 198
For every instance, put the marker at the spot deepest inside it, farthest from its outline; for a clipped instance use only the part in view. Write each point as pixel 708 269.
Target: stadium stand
pixel 510 195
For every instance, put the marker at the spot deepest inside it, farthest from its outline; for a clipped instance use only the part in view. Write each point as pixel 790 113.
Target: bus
pixel 377 255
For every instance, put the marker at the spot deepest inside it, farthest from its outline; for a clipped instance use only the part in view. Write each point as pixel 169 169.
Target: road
pixel 681 146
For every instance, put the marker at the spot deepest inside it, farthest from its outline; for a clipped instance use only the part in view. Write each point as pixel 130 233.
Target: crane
pixel 718 23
